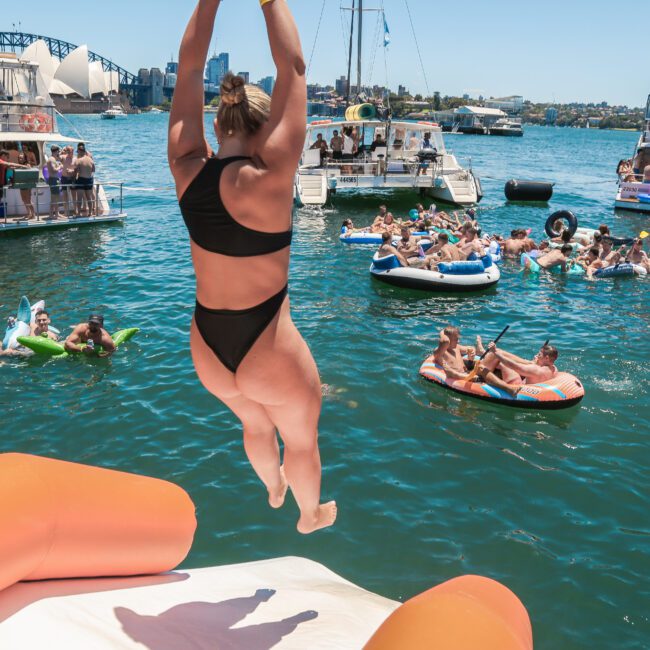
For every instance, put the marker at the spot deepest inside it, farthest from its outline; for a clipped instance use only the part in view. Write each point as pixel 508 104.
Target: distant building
pixel 267 84
pixel 466 97
pixel 511 104
pixel 170 80
pixel 341 86
pixel 156 78
pixel 171 68
pixel 551 115
pixel 402 91
pixel 217 67
pixel 246 76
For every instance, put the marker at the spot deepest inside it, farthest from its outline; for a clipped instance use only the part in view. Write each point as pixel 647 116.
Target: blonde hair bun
pixel 233 89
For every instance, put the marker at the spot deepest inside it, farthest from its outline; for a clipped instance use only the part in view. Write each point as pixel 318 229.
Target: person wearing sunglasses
pixel 41 326
pixel 97 340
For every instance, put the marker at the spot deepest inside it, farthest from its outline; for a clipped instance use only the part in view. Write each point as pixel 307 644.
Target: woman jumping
pixel 237 208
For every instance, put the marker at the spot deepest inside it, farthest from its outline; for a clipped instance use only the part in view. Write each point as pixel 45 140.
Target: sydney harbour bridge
pixel 16 42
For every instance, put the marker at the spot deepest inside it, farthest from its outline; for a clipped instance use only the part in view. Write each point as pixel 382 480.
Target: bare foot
pixel 276 499
pixel 325 516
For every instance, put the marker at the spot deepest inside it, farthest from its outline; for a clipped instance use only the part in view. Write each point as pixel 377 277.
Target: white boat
pixel 634 194
pixel 506 127
pixel 400 165
pixel 113 113
pixel 155 110
pixel 28 124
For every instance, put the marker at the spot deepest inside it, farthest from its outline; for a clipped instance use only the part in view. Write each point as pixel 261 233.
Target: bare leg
pixel 509 375
pixel 490 378
pixel 302 463
pixel 260 438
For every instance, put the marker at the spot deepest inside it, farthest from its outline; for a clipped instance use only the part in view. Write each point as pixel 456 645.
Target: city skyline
pixel 489 57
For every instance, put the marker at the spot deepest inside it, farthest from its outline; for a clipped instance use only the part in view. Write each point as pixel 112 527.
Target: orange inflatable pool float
pixel 560 392
pixel 467 613
pixel 64 520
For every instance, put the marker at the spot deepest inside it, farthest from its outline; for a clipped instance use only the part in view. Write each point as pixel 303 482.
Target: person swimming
pixel 237 207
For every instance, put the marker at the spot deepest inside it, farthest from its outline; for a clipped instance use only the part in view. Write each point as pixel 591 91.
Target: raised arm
pixel 186 132
pixel 284 134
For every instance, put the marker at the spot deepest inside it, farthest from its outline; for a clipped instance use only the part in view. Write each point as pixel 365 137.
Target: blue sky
pixel 552 50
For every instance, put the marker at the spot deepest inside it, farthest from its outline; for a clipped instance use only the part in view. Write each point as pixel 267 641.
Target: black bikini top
pixel 211 226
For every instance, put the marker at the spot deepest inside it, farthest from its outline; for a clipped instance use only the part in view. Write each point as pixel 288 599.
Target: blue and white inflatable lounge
pixel 450 277
pixel 371 238
pixel 625 270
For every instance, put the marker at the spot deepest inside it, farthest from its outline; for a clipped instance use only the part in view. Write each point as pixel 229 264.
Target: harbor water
pixel 430 485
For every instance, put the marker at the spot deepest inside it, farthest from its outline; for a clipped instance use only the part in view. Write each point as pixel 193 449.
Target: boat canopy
pixel 16 136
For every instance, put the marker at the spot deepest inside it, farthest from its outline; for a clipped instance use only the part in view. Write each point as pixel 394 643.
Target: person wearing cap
pixel 93 334
pixel 54 167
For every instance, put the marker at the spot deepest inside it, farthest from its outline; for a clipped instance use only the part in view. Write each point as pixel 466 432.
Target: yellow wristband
pixel 263 2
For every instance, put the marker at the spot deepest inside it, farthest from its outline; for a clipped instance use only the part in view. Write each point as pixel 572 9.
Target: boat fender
pixel 528 190
pixel 566 215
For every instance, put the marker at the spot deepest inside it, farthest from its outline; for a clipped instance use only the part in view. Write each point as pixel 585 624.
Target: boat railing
pixel 29 118
pixel 70 201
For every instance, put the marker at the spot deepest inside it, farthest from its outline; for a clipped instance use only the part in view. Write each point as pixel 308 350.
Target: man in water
pixel 387 249
pixel 41 326
pixel 93 334
pixel 514 246
pixel 386 223
pixel 637 255
pixel 556 257
pixel 449 355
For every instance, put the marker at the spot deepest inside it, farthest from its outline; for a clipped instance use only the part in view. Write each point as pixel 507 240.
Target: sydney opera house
pixel 76 84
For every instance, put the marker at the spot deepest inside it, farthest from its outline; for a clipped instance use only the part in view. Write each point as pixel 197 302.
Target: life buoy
pixel 561 214
pixel 26 122
pixel 42 123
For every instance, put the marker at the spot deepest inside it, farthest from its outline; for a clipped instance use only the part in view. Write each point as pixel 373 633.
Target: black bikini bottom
pixel 231 333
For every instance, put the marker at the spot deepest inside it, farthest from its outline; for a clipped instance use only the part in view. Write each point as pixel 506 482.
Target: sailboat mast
pixel 360 47
pixel 347 99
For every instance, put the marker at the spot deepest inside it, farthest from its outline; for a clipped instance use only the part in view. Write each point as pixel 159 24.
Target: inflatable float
pixel 126 525
pixel 371 238
pixel 451 277
pixel 18 325
pixel 624 270
pixel 561 392
pixel 50 348
pixel 530 264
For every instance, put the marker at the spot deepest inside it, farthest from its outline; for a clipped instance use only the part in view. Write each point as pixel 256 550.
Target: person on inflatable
pixel 450 356
pixel 41 326
pixel 591 263
pixel 556 257
pixel 387 224
pixel 237 206
pixel 87 337
pixel 516 370
pixel 386 248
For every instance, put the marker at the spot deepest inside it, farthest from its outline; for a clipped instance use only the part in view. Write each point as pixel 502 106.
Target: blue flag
pixel 386 33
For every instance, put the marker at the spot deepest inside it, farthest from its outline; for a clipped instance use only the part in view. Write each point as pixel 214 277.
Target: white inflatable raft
pixel 451 277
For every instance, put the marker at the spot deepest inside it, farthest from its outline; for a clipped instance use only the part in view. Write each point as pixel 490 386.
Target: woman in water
pixel 237 206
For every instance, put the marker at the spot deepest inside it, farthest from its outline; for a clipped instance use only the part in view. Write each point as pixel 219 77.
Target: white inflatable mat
pixel 285 603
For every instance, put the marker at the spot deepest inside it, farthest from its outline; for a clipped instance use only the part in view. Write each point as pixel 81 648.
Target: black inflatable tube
pixel 528 191
pixel 566 216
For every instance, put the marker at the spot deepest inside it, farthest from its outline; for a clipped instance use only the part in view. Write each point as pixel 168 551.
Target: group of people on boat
pixel 637 169
pixel 69 175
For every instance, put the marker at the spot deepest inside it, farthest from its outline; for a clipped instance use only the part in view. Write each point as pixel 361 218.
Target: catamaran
pixel 402 163
pixel 387 154
pixel 633 193
pixel 28 122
